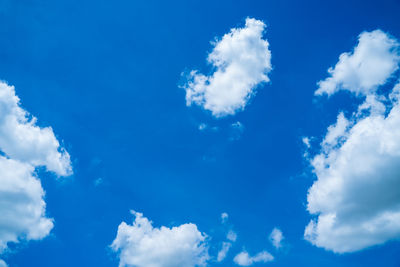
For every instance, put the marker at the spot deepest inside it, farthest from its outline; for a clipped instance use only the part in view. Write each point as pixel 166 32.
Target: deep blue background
pixel 105 75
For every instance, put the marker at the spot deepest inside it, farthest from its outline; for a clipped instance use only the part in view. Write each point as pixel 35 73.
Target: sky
pixel 199 133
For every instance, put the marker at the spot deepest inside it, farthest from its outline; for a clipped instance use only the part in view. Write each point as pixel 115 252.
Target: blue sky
pixel 107 77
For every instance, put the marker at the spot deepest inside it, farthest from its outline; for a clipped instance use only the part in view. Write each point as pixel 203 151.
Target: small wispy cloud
pixel 276 238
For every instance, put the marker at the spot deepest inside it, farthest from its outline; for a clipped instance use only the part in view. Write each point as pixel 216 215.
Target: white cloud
pixel 336 132
pixel 242 61
pixel 237 131
pixel 306 141
pixel 231 236
pixel 21 204
pixel 357 194
pixel 3 264
pixel 224 217
pixel 25 146
pixel 224 251
pixel 22 140
pixel 373 104
pixel 276 238
pixel 202 126
pixel 375 58
pixel 356 197
pixel 244 259
pixel 237 125
pixel 141 244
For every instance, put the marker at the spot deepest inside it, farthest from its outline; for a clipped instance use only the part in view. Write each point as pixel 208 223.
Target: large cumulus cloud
pixel 24 147
pixel 356 196
pixel 143 245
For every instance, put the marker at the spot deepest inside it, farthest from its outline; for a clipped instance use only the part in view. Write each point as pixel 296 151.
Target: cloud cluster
pixel 244 259
pixel 242 61
pixel 231 238
pixel 143 245
pixel 372 62
pixel 357 194
pixel 24 146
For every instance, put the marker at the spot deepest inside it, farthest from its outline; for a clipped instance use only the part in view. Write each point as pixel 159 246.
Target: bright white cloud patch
pixel 357 194
pixel 375 58
pixel 276 238
pixel 244 259
pixel 25 147
pixel 2 264
pixel 242 61
pixel 21 204
pixel 22 140
pixel 143 245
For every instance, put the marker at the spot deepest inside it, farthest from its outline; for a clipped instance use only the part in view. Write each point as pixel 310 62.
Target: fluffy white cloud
pixel 21 204
pixel 25 146
pixel 141 244
pixel 22 140
pixel 2 264
pixel 356 197
pixel 244 259
pixel 276 238
pixel 242 61
pixel 357 194
pixel 375 58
